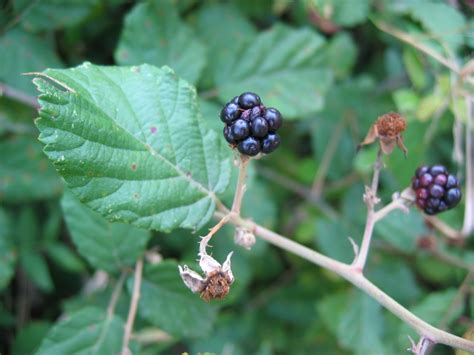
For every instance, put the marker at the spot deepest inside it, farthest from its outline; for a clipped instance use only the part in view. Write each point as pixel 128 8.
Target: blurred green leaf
pixel 22 52
pixel 25 173
pixel 64 257
pixel 393 229
pixel 224 29
pixel 36 268
pixel 159 170
pixel 168 304
pixel 88 331
pixel 7 251
pixel 51 14
pixel 277 64
pixel 340 54
pixel 105 245
pixel 414 67
pixel 154 34
pixel 341 12
pixel 29 337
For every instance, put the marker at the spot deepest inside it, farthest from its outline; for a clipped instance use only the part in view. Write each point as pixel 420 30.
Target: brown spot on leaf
pixel 133 166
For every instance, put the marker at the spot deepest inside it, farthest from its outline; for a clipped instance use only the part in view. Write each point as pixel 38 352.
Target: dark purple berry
pixel 259 127
pixel 256 112
pixel 453 196
pixel 270 143
pixel 229 137
pixel 249 146
pixel 440 179
pixel 452 181
pixel 235 100
pixel 249 100
pixel 437 169
pixel 422 170
pixel 274 119
pixel 436 190
pixel 240 129
pixel 426 180
pixel 230 113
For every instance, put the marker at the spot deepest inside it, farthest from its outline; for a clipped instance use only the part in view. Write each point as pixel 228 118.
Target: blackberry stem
pixel 240 188
pixel 370 199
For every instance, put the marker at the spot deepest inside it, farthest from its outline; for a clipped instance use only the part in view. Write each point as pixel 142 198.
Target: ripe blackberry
pixel 436 190
pixel 249 100
pixel 250 126
pixel 249 146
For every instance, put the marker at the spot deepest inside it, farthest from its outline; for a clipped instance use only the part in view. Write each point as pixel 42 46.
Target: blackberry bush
pixel 250 126
pixel 436 189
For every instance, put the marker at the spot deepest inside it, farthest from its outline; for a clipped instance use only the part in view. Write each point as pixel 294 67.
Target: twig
pixel 445 229
pixel 423 346
pixel 462 291
pixel 371 199
pixel 133 306
pixel 8 91
pixel 358 279
pixel 401 202
pixel 468 224
pixel 116 295
pixel 240 188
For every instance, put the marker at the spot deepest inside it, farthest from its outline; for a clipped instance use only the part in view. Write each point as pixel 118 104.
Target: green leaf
pixel 340 54
pixel 22 52
pixel 343 12
pixel 130 142
pixel 29 337
pixel 278 65
pixel 393 229
pixel 25 173
pixel 107 246
pixel 64 257
pixel 168 304
pixel 362 325
pixel 7 251
pixel 50 14
pixel 154 34
pixel 88 331
pixel 36 268
pixel 415 67
pixel 16 118
pixel 218 25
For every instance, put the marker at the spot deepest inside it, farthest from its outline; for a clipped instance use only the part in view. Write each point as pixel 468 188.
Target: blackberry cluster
pixel 436 190
pixel 250 126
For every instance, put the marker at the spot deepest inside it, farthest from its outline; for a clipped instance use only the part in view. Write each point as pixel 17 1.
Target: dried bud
pixel 217 280
pixel 387 129
pixel 244 238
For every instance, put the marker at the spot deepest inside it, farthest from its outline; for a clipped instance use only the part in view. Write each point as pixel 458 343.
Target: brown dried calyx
pixel 217 286
pixel 387 129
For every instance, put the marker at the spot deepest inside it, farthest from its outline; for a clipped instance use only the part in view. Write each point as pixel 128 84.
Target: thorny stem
pixel 236 205
pixel 423 346
pixel 371 199
pixel 356 278
pixel 137 281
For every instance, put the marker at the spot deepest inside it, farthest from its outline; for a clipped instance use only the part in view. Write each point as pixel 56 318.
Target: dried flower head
pixel 217 280
pixel 387 129
pixel 244 238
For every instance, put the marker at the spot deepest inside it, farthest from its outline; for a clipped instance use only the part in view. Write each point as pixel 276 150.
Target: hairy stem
pixel 132 312
pixel 348 272
pixel 370 198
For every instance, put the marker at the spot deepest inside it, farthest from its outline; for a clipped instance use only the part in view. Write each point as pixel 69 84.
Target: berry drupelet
pixel 250 126
pixel 436 190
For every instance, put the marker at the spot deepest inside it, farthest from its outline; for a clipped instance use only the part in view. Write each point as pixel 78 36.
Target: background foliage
pixel 331 70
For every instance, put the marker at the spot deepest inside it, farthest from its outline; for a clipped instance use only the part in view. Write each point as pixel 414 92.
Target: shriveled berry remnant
pixel 250 126
pixel 436 189
pixel 387 129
